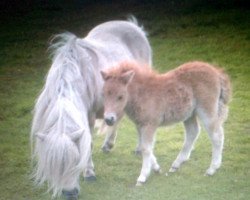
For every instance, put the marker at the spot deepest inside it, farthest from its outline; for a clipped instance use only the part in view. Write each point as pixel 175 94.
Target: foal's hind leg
pixel 216 136
pixel 192 132
pixel 213 124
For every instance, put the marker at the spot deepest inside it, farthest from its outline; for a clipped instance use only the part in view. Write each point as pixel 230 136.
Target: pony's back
pixel 129 34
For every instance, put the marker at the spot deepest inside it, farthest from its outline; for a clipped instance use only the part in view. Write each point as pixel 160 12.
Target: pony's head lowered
pixel 60 128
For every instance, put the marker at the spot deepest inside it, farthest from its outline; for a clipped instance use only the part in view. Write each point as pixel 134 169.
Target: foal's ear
pixel 127 76
pixel 105 75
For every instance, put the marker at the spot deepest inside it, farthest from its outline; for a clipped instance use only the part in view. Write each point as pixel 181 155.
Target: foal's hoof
pixel 210 172
pixel 71 195
pixel 139 183
pixel 90 178
pixel 105 149
pixel 158 171
pixel 173 169
pixel 141 180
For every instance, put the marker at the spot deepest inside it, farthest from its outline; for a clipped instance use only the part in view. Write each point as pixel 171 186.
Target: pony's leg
pixel 111 133
pixel 191 134
pixel 89 174
pixel 217 140
pixel 149 160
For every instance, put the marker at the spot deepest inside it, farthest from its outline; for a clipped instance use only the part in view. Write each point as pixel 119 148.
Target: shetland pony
pixel 71 100
pixel 193 90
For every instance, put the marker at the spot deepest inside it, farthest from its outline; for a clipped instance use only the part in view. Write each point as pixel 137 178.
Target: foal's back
pixel 210 86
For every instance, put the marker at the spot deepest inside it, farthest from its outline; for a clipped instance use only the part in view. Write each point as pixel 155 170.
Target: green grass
pixel 221 37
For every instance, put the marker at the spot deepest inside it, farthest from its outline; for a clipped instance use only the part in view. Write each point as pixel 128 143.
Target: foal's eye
pixel 120 98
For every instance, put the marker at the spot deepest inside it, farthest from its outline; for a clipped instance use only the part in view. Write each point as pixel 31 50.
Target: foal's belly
pixel 173 117
pixel 177 111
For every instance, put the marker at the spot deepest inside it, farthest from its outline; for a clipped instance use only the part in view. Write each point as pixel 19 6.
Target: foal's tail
pixel 226 91
pixel 225 95
pixel 60 131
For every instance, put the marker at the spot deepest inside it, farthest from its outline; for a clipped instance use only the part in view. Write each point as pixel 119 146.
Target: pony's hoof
pixel 173 169
pixel 71 195
pixel 90 178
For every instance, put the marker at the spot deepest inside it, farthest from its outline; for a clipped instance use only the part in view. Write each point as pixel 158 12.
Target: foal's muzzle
pixel 110 119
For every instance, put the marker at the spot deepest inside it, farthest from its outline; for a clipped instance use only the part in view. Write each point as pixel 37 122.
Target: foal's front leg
pixel 138 147
pixel 149 160
pixel 109 142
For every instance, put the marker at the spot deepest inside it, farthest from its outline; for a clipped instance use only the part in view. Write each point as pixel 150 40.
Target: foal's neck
pixel 143 82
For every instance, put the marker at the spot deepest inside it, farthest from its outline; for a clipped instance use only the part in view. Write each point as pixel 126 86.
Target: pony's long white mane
pixel 60 131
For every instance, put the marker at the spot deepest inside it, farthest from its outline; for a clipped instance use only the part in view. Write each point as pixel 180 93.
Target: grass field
pixel 177 33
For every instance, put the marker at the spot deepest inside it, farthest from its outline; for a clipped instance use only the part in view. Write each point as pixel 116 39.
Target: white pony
pixel 71 100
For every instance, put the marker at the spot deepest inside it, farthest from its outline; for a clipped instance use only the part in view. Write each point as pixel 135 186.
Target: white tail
pixel 60 129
